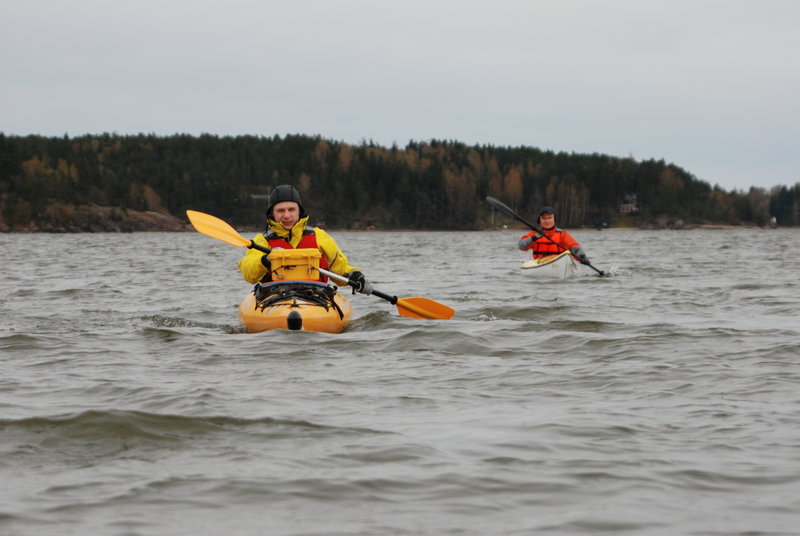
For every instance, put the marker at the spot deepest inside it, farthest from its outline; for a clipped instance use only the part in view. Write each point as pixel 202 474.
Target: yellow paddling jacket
pixel 253 270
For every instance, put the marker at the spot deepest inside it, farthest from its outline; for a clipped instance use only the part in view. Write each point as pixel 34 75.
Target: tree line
pixel 424 185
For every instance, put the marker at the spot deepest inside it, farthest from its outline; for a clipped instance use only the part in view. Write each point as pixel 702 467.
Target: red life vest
pixel 308 240
pixel 542 247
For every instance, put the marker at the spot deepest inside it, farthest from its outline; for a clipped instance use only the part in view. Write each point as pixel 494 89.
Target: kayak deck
pixel 561 266
pixel 295 305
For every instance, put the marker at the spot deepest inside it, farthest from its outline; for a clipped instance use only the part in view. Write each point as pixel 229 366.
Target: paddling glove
pixel 578 252
pixel 525 243
pixel 265 262
pixel 364 286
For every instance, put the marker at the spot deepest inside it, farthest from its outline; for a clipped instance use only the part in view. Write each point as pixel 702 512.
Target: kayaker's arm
pixel 337 260
pixel 359 282
pixel 578 253
pixel 251 264
pixel 525 243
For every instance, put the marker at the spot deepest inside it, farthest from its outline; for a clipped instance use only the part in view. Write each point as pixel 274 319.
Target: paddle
pixel 410 307
pixel 508 211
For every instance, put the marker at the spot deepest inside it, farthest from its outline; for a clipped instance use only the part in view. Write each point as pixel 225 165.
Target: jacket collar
pixel 293 235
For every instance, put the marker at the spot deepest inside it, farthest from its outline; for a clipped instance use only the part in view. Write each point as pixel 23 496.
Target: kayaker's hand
pixel 525 243
pixel 578 252
pixel 364 286
pixel 265 262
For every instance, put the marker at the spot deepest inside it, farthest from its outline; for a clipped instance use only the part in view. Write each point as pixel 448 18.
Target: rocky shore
pixel 96 219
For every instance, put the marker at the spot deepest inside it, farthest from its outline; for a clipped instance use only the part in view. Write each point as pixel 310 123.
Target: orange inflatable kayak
pixel 295 305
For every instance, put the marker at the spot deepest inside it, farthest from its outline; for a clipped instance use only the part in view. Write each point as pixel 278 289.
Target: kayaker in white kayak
pixel 287 222
pixel 550 240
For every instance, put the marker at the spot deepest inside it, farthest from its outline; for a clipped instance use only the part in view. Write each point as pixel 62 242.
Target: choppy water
pixel 662 400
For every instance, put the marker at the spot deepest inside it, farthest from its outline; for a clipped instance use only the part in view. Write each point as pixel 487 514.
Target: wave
pixel 93 428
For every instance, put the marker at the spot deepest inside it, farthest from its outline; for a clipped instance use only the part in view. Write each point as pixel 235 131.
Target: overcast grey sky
pixel 712 86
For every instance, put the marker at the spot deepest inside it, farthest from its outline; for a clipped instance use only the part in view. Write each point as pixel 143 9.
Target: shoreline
pixel 247 231
pixel 61 219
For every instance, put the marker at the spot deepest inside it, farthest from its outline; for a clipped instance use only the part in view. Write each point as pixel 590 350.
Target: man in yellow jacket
pixel 287 228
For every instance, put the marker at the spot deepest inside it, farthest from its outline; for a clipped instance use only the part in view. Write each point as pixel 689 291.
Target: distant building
pixel 629 205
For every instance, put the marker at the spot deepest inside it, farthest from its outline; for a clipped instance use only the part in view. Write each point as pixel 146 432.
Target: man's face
pixel 287 213
pixel 547 221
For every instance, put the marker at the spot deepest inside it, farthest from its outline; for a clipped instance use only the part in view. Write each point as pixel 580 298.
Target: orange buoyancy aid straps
pixel 542 247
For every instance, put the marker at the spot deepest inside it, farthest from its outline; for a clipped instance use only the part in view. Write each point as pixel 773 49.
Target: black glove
pixel 265 262
pixel 363 285
pixel 578 252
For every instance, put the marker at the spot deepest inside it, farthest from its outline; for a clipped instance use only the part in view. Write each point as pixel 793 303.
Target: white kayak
pixel 561 266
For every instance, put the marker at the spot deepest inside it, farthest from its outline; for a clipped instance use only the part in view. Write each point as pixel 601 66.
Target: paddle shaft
pixel 343 279
pixel 502 207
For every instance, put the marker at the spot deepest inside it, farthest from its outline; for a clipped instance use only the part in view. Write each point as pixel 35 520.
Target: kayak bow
pixel 295 305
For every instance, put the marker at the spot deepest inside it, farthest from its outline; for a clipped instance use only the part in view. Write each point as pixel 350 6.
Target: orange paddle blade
pixel 216 228
pixel 423 308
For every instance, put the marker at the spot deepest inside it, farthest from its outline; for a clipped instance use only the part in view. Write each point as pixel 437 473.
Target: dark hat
pixel 547 210
pixel 284 192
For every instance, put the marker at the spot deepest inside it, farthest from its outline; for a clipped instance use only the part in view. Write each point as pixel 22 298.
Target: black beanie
pixel 284 192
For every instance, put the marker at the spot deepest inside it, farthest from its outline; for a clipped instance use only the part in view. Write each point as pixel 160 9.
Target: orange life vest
pixel 542 247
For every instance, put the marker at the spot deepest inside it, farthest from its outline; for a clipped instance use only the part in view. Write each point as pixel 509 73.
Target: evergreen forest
pixel 431 185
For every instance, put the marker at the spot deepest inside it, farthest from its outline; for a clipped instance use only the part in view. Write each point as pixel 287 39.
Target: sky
pixel 712 86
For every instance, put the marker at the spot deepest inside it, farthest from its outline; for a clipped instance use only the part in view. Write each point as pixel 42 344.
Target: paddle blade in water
pixel 424 308
pixel 216 228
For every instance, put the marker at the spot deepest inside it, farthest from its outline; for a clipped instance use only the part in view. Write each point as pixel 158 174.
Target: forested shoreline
pixel 113 182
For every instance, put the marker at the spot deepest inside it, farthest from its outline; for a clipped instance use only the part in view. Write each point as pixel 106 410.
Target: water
pixel 662 400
